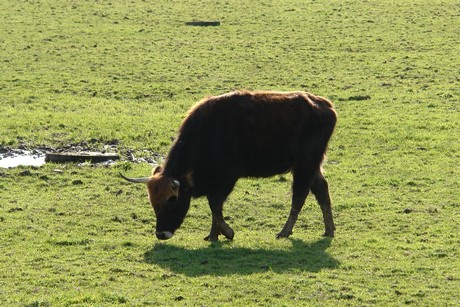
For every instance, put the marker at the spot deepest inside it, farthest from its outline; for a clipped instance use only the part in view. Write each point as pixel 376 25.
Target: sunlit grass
pixel 127 72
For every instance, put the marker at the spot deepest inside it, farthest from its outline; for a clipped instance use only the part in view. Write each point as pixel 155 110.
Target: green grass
pixel 99 72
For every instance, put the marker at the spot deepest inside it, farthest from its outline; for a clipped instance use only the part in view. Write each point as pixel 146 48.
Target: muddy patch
pixel 109 155
pixel 90 157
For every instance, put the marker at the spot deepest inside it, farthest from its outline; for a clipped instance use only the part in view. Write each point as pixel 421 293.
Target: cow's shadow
pixel 219 260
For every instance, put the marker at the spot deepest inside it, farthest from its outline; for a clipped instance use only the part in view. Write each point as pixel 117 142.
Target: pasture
pixel 124 73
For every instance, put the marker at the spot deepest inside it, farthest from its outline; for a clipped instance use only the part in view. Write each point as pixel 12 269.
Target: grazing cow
pixel 243 134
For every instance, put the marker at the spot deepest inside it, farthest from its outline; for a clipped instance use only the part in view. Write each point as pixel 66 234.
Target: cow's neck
pixel 177 163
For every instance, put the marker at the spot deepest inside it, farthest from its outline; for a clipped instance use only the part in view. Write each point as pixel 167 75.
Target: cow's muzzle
pixel 164 235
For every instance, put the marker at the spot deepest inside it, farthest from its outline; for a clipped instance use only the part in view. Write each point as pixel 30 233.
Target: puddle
pixel 25 158
pixel 10 158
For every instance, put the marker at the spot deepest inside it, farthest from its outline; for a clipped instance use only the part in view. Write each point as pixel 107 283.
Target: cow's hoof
pixel 228 233
pixel 329 231
pixel 211 238
pixel 283 235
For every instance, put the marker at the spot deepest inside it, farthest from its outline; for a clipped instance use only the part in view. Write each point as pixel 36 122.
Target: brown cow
pixel 243 134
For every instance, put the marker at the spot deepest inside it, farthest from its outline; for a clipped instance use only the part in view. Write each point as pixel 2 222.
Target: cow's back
pixel 251 134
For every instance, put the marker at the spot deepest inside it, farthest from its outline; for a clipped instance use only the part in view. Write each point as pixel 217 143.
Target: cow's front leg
pixel 214 233
pixel 219 226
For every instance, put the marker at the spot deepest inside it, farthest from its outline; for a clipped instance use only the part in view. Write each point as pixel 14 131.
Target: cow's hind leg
pixel 300 189
pixel 219 226
pixel 320 189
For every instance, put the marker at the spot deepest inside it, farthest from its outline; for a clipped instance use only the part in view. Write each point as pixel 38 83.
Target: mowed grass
pixel 126 72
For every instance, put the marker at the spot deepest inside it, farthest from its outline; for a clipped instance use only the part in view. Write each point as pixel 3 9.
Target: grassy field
pixel 126 72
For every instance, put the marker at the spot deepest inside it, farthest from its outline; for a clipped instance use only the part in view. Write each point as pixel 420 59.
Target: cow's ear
pixel 157 170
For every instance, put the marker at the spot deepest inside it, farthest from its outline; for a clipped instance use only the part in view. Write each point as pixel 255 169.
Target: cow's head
pixel 163 195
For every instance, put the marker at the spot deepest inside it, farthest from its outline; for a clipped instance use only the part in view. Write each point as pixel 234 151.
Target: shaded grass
pixel 221 260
